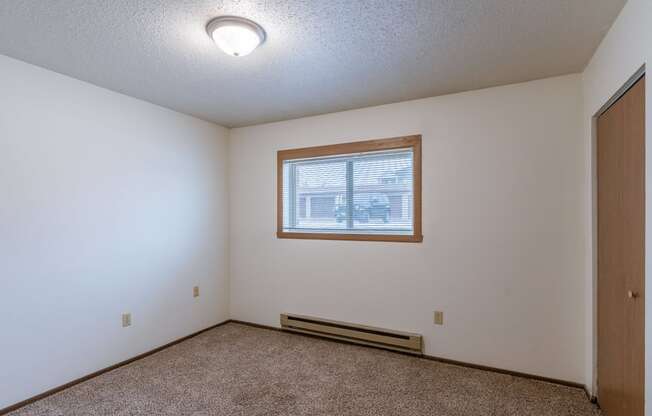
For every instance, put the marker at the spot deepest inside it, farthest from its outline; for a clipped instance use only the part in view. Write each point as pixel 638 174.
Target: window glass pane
pixel 310 197
pixel 365 193
pixel 382 192
pixel 286 194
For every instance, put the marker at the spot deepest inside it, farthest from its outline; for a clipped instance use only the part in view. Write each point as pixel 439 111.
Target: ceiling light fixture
pixel 236 36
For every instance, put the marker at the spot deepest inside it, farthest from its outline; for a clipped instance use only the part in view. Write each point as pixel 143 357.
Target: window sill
pixel 352 237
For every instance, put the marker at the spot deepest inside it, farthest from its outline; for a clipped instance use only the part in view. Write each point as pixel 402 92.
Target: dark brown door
pixel 621 245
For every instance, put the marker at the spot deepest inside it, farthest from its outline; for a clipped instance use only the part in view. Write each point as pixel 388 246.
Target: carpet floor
pixel 240 370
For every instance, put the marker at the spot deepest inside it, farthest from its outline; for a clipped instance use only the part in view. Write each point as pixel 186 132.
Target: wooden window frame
pixel 404 142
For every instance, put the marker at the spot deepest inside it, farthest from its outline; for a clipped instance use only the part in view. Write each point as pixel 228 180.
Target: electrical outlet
pixel 439 318
pixel 195 291
pixel 126 319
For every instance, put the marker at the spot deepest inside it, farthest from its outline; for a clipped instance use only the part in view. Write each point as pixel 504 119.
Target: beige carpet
pixel 240 370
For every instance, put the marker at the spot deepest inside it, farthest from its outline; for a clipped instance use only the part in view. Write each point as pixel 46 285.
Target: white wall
pixel 108 204
pixel 503 218
pixel 627 47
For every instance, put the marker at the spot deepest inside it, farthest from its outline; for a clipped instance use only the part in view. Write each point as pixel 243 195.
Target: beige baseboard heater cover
pixel 359 334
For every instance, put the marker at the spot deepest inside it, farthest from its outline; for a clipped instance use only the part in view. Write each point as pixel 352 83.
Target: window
pixel 356 191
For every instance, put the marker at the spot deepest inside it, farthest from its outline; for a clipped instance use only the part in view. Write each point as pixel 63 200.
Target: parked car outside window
pixel 366 206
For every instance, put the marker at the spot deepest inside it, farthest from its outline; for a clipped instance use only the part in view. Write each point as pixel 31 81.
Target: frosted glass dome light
pixel 236 36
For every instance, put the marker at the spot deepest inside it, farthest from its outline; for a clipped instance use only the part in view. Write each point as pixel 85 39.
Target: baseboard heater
pixel 359 334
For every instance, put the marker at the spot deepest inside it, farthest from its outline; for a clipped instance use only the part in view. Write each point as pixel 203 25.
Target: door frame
pixel 640 73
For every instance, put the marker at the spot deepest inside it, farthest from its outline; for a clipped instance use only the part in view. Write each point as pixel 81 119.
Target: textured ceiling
pixel 320 56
